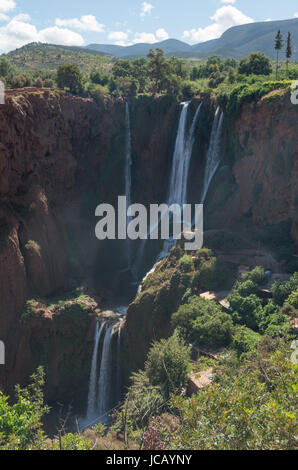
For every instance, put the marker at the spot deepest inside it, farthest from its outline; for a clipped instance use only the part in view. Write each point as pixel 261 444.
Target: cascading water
pixel 213 156
pixel 119 363
pixel 127 175
pixel 91 410
pixel 105 374
pixel 180 166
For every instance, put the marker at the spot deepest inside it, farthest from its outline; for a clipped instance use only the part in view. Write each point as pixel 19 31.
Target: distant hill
pixel 38 56
pixel 236 42
pixel 170 46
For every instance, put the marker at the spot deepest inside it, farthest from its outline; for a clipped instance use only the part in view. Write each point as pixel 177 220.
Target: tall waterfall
pixel 213 156
pixel 127 174
pixel 180 166
pixel 91 410
pixel 105 373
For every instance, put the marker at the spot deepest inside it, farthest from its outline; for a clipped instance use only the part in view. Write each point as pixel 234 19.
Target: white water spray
pixel 213 156
pixel 91 410
pixel 105 374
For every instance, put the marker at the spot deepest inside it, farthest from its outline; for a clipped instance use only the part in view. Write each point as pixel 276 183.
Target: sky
pixel 126 22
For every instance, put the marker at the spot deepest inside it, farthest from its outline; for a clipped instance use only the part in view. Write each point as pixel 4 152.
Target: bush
pixel 204 322
pixel 245 340
pixel 70 76
pixel 282 290
pixel 20 423
pixel 168 364
pixel 246 310
pixel 257 276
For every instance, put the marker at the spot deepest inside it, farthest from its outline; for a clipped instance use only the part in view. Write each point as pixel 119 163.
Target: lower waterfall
pixel 105 374
pixel 91 410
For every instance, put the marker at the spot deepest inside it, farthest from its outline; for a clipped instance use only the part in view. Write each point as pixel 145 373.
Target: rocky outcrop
pixel 257 188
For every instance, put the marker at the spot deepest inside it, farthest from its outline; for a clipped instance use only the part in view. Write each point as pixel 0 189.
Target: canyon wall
pixel 61 156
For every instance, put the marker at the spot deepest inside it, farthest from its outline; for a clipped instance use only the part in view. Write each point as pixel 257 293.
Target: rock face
pixel 61 156
pixel 258 188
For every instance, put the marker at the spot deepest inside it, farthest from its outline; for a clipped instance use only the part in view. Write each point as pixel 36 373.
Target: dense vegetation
pixel 250 344
pixel 87 74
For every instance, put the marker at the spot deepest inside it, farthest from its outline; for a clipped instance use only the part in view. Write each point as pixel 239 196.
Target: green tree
pixel 252 408
pixel 256 63
pixel 289 51
pixel 5 67
pixel 168 364
pixel 70 76
pixel 159 70
pixel 20 423
pixel 278 47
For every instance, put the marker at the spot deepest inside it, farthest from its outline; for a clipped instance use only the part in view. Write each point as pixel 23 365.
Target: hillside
pixel 236 42
pixel 37 56
pixel 170 46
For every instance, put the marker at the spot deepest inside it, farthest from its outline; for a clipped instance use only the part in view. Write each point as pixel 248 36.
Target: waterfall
pixel 178 179
pixel 180 166
pixel 91 410
pixel 213 156
pixel 105 373
pixel 127 174
pixel 118 363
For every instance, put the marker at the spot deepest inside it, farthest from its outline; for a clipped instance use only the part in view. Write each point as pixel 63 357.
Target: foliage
pixel 282 290
pixel 204 322
pixel 168 364
pixel 244 340
pixel 20 423
pixel 254 408
pixel 70 76
pixel 255 64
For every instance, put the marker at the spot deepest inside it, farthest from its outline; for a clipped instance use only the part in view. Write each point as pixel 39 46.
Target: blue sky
pixel 124 22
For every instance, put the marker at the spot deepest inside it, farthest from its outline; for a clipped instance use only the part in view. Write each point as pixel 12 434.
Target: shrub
pixel 245 340
pixel 20 423
pixel 282 290
pixel 257 276
pixel 33 247
pixel 246 310
pixel 204 322
pixel 185 263
pixel 168 364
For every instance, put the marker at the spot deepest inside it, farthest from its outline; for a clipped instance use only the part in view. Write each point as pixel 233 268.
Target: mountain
pixel 240 41
pixel 170 46
pixel 236 42
pixel 38 56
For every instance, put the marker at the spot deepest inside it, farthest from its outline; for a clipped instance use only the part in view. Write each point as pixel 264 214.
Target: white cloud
pixel 4 17
pixel 146 9
pixel 85 23
pixel 22 17
pixel 7 5
pixel 296 15
pixel 61 36
pixel 119 38
pixel 144 37
pixel 223 19
pixel 19 32
pixel 161 34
